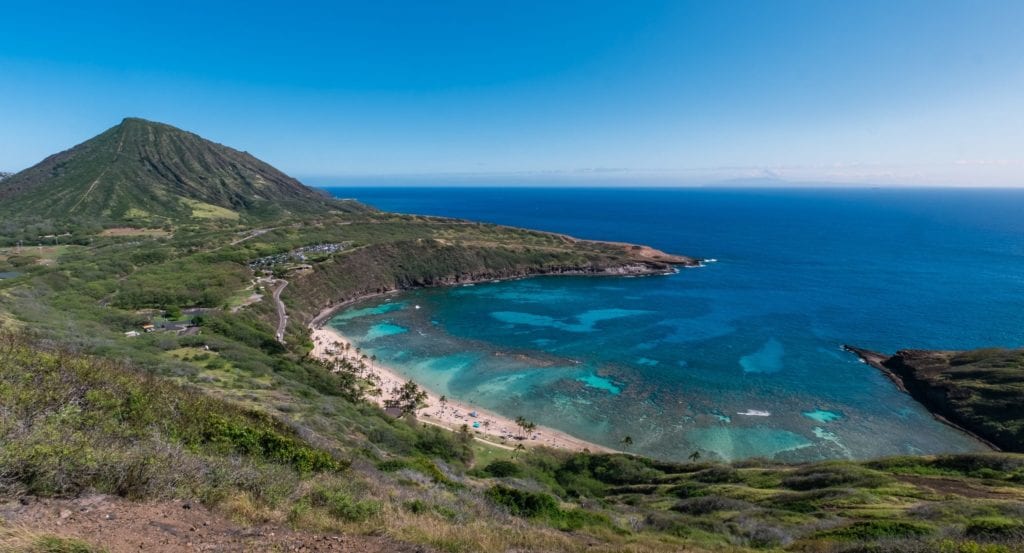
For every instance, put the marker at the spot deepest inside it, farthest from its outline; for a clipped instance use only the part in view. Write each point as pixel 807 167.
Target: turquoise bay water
pixel 737 359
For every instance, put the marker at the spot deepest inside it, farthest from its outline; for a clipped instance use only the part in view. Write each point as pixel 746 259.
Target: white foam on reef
pixel 754 413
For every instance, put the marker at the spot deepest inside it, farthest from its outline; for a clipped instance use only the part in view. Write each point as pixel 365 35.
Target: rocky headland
pixel 977 391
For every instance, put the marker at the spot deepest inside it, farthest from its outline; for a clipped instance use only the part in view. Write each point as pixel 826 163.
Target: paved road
pixel 282 316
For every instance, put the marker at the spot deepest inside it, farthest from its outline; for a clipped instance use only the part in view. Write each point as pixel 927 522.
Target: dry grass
pixel 23 540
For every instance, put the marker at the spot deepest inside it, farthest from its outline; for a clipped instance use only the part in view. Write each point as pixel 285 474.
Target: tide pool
pixel 680 362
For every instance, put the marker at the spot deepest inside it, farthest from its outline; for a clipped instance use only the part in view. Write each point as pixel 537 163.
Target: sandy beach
pixel 489 427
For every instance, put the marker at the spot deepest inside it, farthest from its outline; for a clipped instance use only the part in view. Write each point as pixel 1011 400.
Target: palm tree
pixel 627 441
pixel 525 426
pixel 443 400
pixel 410 397
pixel 373 359
pixel 521 422
pixel 694 456
pixel 519 448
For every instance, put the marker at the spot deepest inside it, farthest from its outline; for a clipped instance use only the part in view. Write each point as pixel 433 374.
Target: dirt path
pixel 252 234
pixel 119 525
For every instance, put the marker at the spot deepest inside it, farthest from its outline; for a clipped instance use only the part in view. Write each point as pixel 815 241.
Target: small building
pixel 132 333
pixel 148 327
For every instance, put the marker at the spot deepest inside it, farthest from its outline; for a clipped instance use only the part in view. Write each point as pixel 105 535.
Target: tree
pixel 694 456
pixel 627 441
pixel 410 397
pixel 373 359
pixel 524 425
pixel 443 400
pixel 519 448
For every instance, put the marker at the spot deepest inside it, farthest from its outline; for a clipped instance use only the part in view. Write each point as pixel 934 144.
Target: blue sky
pixel 646 92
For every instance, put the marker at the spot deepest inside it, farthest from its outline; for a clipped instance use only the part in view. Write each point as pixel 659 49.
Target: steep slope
pixel 141 171
pixel 979 390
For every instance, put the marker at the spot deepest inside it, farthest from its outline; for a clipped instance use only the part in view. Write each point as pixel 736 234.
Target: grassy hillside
pixel 416 484
pixel 74 424
pixel 138 358
pixel 145 173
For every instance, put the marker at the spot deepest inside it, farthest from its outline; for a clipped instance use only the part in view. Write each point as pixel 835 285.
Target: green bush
pixel 75 423
pixel 523 503
pixel 416 506
pixel 832 475
pixel 436 442
pixel 341 505
pixel 419 464
pixel 257 437
pixel 503 469
pixel 544 507
pixel 878 529
pixel 995 527
pixel 718 474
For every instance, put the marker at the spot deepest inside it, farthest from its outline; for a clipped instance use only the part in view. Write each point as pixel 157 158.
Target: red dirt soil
pixel 119 525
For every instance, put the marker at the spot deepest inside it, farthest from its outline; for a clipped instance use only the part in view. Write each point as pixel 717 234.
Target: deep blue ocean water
pixel 737 359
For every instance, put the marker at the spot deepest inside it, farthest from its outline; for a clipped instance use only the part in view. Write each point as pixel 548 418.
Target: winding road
pixel 282 315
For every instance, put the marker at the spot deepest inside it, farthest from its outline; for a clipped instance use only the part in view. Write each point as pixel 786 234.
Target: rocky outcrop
pixel 980 392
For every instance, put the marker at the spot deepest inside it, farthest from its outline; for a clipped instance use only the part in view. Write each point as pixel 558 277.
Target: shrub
pixel 416 506
pixel 78 423
pixel 419 464
pixel 261 440
pixel 341 505
pixel 718 474
pixel 878 529
pixel 995 527
pixel 502 469
pixel 437 442
pixel 544 507
pixel 610 469
pixel 523 503
pixel 709 504
pixel 832 475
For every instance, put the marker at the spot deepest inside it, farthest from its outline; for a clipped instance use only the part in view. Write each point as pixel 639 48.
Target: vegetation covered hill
pixel 141 361
pixel 979 390
pixel 147 173
pixel 329 462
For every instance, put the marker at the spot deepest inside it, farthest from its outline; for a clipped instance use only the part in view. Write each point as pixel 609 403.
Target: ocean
pixel 737 359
